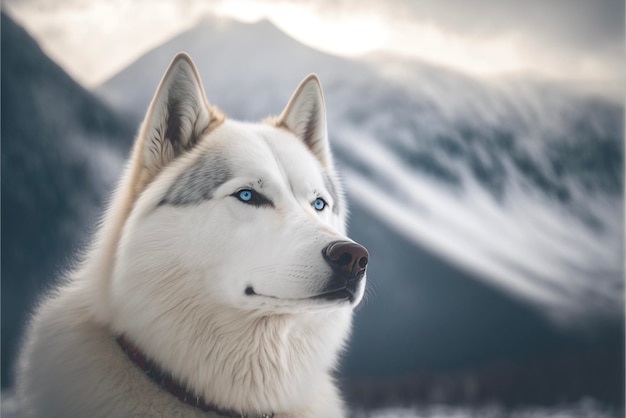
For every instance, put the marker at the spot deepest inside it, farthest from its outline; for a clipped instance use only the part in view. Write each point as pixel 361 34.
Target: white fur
pixel 172 277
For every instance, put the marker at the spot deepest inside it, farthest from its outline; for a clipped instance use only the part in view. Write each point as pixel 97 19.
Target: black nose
pixel 346 258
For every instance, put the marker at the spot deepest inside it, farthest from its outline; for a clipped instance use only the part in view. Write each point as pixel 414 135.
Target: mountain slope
pixel 61 150
pixel 430 332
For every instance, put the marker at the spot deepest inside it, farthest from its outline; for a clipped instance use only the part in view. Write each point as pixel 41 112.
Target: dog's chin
pixel 345 294
pixel 348 296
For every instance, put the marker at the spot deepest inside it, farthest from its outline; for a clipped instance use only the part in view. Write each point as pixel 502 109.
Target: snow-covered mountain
pixel 516 181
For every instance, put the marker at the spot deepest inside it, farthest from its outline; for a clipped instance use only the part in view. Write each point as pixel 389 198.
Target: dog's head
pixel 246 216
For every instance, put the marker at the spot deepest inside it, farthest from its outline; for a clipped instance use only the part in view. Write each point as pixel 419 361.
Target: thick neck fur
pixel 249 361
pixel 173 283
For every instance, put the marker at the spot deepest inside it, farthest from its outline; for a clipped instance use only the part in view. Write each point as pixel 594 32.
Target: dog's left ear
pixel 305 116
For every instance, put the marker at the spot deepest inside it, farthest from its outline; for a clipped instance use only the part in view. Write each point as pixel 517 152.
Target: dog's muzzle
pixel 348 261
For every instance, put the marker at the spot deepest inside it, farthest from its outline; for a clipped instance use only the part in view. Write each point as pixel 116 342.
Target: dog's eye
pixel 252 197
pixel 245 195
pixel 319 204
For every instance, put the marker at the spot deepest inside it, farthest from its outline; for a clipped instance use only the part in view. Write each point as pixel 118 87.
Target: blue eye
pixel 319 204
pixel 252 197
pixel 245 195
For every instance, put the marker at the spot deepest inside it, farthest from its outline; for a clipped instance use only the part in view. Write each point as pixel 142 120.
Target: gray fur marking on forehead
pixel 199 182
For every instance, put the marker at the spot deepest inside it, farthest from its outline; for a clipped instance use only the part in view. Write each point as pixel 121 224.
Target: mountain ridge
pixel 61 151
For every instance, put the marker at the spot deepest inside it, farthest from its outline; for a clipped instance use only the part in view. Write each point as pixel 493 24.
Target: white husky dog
pixel 221 282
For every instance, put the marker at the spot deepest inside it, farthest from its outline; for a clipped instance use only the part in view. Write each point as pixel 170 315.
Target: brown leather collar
pixel 165 381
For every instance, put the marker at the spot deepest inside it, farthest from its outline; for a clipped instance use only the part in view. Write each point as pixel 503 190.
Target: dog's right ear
pixel 177 117
pixel 305 116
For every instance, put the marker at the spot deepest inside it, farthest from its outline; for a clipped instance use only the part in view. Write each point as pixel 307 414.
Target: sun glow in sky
pixel 348 36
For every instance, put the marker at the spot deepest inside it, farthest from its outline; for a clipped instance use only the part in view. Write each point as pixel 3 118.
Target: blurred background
pixel 481 144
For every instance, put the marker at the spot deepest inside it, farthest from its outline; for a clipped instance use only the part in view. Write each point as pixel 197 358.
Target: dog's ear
pixel 178 116
pixel 305 116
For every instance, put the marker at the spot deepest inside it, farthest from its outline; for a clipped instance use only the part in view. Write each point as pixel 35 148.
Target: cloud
pixel 575 41
pixel 576 22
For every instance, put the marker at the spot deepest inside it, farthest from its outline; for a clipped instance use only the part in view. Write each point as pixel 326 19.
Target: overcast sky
pixel 569 40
